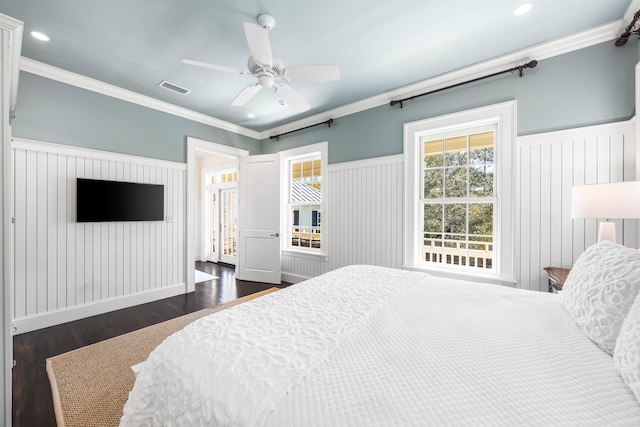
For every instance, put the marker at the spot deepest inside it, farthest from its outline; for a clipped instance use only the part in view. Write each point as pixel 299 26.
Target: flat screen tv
pixel 102 201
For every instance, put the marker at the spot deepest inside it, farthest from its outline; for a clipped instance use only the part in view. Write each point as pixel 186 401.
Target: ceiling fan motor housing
pixel 266 75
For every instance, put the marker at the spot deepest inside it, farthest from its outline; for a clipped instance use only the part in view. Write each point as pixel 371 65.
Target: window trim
pixel 286 156
pixel 504 116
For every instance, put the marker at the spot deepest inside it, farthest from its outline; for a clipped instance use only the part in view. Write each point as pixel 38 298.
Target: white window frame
pixel 286 157
pixel 503 115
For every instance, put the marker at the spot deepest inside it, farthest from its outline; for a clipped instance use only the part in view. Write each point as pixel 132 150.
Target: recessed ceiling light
pixel 522 9
pixel 251 115
pixel 40 36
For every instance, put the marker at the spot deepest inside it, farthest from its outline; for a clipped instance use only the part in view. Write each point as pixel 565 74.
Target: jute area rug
pixel 90 385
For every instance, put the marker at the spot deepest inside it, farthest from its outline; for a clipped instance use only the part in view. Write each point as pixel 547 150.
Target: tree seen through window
pixel 459 200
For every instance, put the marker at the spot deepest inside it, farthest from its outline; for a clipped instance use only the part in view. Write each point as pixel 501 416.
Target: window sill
pixel 303 254
pixel 463 275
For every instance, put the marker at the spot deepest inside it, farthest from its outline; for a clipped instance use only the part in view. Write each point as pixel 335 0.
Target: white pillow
pixel 626 357
pixel 600 290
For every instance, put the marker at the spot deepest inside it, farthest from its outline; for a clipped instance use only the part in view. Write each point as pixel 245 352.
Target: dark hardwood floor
pixel 32 401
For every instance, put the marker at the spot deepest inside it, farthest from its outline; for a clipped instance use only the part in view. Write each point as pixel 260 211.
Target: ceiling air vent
pixel 175 88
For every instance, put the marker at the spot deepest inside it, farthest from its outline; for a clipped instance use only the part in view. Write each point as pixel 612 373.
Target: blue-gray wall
pixel 51 111
pixel 586 87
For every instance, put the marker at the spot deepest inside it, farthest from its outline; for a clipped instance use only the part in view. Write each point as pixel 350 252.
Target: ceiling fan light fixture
pixel 522 9
pixel 266 80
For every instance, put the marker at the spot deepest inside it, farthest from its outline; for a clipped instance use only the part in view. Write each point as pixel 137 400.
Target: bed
pixel 372 346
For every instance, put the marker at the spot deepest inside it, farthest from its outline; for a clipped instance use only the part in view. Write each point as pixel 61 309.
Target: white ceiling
pixel 379 46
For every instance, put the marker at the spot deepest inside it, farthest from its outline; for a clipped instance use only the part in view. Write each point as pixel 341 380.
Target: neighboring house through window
pixel 303 171
pixel 459 204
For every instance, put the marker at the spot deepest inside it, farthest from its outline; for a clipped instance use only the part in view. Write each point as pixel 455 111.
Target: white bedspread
pixel 367 346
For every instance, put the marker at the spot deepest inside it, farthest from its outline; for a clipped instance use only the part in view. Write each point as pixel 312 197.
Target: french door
pixel 221 224
pixel 228 208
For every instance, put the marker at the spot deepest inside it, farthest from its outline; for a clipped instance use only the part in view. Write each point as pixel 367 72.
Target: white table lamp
pixel 606 201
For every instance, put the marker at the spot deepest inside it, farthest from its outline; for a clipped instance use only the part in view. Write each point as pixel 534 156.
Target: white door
pixel 259 219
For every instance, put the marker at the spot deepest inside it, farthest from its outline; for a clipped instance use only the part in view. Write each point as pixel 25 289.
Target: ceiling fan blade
pixel 312 73
pixel 259 44
pixel 293 98
pixel 215 67
pixel 246 94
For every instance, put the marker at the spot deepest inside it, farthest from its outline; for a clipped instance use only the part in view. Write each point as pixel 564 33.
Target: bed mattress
pixel 370 346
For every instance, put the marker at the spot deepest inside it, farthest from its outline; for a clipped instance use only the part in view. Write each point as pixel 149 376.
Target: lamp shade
pixel 611 200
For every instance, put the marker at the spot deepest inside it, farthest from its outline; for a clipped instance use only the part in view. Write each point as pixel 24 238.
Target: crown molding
pixel 48 71
pixel 592 37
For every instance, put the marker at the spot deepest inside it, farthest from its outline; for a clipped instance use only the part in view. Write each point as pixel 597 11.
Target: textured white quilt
pixel 369 346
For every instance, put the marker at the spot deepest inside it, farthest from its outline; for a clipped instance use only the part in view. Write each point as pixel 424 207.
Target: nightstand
pixel 557 277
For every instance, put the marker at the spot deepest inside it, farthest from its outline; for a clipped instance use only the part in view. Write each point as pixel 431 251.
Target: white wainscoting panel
pixel 63 267
pixel 365 212
pixel 548 166
pixel 297 267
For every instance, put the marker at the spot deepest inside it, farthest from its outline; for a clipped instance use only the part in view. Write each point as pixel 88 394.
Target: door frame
pixel 193 145
pixel 11 31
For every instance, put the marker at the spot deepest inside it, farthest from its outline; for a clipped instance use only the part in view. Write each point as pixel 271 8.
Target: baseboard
pixel 293 278
pixel 44 320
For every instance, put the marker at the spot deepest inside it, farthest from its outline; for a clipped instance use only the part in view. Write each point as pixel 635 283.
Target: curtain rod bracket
pixel 520 68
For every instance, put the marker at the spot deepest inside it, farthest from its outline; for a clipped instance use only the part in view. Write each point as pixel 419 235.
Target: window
pixel 459 203
pixel 303 181
pixel 305 199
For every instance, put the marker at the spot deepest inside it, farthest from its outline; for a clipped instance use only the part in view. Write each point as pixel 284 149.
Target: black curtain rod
pixel 277 137
pixel 519 68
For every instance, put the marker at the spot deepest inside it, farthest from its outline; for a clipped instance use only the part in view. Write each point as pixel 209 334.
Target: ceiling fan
pixel 271 72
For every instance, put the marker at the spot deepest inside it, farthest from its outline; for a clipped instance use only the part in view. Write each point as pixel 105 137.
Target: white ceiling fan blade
pixel 215 67
pixel 259 44
pixel 293 98
pixel 312 73
pixel 246 94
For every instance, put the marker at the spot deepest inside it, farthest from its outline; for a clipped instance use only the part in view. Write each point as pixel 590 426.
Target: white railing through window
pixel 305 237
pixel 471 253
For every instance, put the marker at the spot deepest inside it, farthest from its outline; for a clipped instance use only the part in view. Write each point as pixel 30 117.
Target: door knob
pixel 275 235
